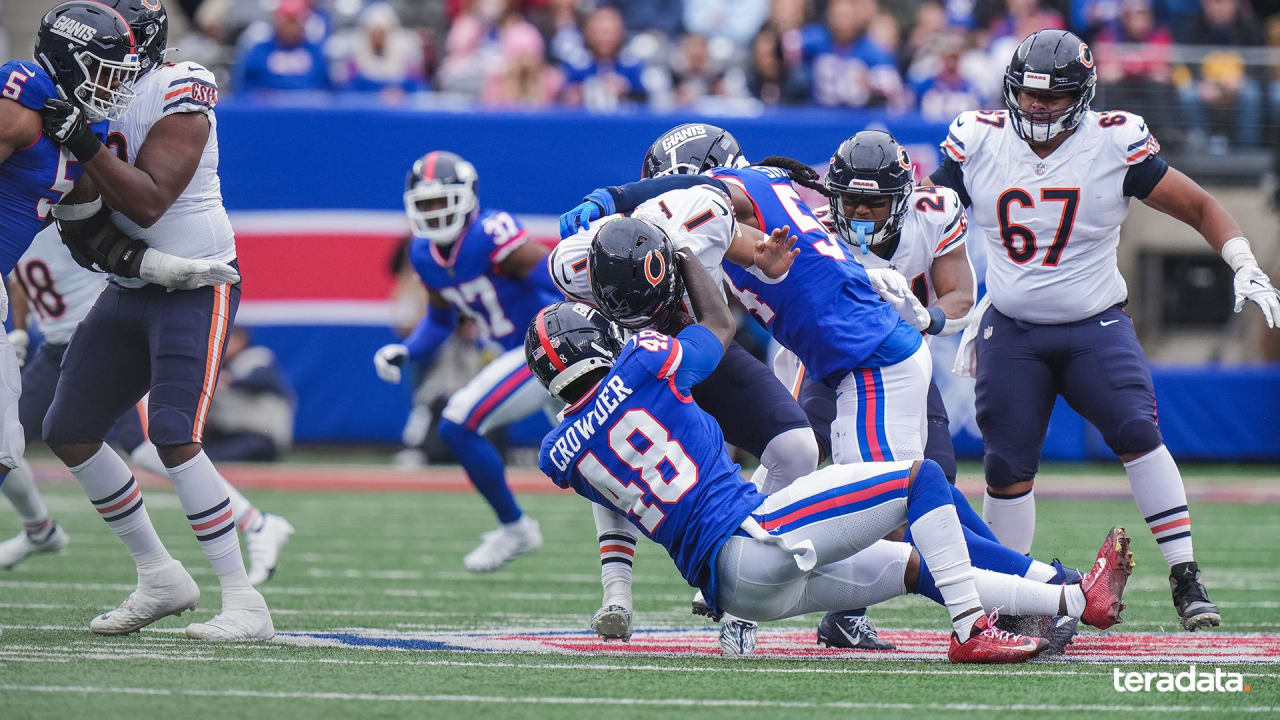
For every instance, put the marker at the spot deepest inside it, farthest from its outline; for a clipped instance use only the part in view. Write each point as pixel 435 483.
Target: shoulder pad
pixel 186 87
pixel 659 353
pixel 968 130
pixel 567 263
pixel 26 83
pixel 940 210
pixel 1129 135
pixel 502 233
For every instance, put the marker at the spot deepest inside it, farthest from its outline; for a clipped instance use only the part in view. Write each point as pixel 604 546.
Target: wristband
pixel 83 144
pixel 939 321
pixel 1237 253
pixel 81 211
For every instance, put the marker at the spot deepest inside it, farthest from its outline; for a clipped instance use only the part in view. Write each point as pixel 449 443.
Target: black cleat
pixel 1191 599
pixel 850 631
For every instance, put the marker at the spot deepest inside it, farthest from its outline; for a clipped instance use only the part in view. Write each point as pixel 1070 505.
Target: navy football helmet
pixel 440 196
pixel 691 149
pixel 633 273
pixel 150 25
pixel 89 51
pixel 1050 61
pixel 567 340
pixel 869 165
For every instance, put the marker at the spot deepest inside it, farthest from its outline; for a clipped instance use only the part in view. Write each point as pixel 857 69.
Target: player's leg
pixel 503 392
pixel 880 412
pixel 938 446
pixel 39 531
pixel 1015 393
pixel 1107 380
pixel 757 414
pixel 105 370
pixel 186 334
pixel 617 539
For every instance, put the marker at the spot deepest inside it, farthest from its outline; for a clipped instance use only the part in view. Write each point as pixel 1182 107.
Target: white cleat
pixel 502 545
pixel 264 546
pixel 612 622
pixel 17 548
pixel 162 591
pixel 737 636
pixel 244 617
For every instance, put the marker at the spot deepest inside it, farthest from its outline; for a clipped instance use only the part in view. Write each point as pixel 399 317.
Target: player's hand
pixel 776 253
pixel 66 124
pixel 594 206
pixel 178 273
pixel 20 341
pixel 1253 284
pixel 893 289
pixel 387 361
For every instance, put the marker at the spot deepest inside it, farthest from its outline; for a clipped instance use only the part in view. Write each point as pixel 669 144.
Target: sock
pixel 1162 500
pixel 20 487
pixel 203 495
pixel 617 552
pixel 939 537
pixel 484 467
pixel 116 496
pixel 248 518
pixel 968 517
pixel 1012 519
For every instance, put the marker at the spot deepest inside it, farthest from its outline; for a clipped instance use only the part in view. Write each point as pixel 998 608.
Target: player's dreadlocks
pixel 800 173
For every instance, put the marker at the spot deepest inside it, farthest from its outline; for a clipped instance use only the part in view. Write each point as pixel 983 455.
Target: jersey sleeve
pixel 697 220
pixel 953 229
pixel 26 83
pixel 1137 148
pixel 192 88
pixel 961 134
pixel 567 263
pixel 683 361
pixel 503 233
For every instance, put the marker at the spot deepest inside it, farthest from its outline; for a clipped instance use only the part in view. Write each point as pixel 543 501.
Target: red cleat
pixel 1104 584
pixel 990 645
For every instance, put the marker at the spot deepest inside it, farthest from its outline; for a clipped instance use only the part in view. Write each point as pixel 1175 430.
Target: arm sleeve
pixel 434 329
pixel 628 197
pixel 1141 179
pixel 700 352
pixel 951 174
pixel 194 90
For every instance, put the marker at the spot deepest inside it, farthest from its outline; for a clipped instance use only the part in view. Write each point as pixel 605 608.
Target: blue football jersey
pixel 32 179
pixel 639 445
pixel 469 278
pixel 824 310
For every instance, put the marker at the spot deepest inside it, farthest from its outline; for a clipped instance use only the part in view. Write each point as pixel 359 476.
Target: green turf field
pixel 384 570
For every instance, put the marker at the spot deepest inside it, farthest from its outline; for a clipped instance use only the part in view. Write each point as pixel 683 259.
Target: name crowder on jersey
pixel 567 445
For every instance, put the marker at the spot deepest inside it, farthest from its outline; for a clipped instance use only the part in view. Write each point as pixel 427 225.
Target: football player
pixel 1048 182
pixel 632 440
pixel 61 292
pixel 159 182
pixel 480 263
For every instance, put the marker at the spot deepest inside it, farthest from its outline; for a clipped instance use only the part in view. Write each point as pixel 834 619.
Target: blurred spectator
pixel 847 64
pixel 1023 17
pixel 286 60
pixel 772 80
pixel 523 77
pixel 251 416
pixel 607 79
pixel 947 93
pixel 385 58
pixel 657 16
pixel 563 32
pixel 922 42
pixel 472 50
pixel 1090 17
pixel 1221 85
pixel 1134 64
pixel 787 18
pixel 698 72
pixel 737 20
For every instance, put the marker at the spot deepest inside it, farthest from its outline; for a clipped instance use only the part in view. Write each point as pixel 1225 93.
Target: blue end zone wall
pixel 346 156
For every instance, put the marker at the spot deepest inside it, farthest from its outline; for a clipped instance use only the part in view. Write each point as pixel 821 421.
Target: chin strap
pixel 862 228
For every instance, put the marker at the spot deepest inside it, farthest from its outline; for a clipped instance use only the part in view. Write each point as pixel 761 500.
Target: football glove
pixel 1254 285
pixel 177 273
pixel 387 361
pixel 893 289
pixel 594 206
pixel 20 341
pixel 65 124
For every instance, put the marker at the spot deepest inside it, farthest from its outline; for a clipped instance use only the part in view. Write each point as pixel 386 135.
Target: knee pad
pixel 1002 471
pixel 1135 436
pixel 788 456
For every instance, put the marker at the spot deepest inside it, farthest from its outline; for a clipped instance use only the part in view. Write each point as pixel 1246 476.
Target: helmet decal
pixel 903 158
pixel 655 267
pixel 1086 55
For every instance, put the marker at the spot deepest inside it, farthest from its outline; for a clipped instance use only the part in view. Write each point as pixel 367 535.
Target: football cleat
pixel 612 623
pixel 162 591
pixel 1066 575
pixel 244 617
pixel 1103 585
pixel 848 631
pixel 264 546
pixel 737 636
pixel 1191 599
pixel 504 544
pixel 1059 630
pixel 17 548
pixel 700 607
pixel 987 644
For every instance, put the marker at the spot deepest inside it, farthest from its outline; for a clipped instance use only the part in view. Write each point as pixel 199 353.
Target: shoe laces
pixel 864 626
pixel 996 633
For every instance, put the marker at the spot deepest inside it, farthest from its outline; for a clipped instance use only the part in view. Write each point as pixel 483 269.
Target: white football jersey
pixel 58 289
pixel 697 219
pixel 196 226
pixel 1051 224
pixel 934 225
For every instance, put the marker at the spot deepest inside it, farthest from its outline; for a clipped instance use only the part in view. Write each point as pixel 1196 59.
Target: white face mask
pixel 441 225
pixel 107 90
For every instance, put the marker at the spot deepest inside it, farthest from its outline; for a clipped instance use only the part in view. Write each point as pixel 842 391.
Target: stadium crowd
pixel 1210 60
